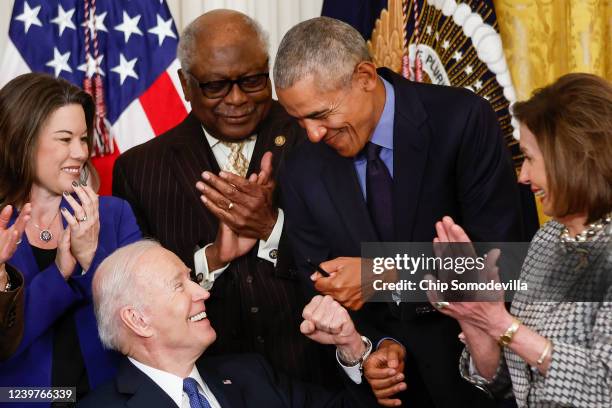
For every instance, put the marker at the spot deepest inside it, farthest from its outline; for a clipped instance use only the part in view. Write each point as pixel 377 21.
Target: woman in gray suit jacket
pixel 554 346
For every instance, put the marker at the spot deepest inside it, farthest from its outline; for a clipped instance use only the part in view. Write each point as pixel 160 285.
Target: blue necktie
pixel 196 400
pixel 379 189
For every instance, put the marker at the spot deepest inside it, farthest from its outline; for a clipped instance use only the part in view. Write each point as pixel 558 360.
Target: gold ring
pixel 83 219
pixel 230 206
pixel 441 305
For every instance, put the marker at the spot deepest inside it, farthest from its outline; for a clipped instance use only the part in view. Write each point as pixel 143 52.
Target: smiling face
pixel 533 170
pixel 234 52
pixel 175 311
pixel 343 118
pixel 61 149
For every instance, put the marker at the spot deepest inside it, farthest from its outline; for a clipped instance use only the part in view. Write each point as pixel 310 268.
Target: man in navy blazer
pixel 149 309
pixel 445 155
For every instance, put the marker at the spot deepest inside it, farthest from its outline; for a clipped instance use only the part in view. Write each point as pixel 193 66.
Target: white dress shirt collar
pixel 170 383
pixel 222 152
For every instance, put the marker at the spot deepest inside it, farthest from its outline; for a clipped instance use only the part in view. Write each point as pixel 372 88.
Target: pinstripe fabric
pixel 254 306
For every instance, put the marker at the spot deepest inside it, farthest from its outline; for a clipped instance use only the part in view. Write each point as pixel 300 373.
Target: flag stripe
pixel 13 64
pixel 162 104
pixel 132 127
pixel 173 72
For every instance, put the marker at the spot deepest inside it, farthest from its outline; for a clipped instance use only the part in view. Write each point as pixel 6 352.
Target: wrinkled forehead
pixel 229 57
pixel 306 99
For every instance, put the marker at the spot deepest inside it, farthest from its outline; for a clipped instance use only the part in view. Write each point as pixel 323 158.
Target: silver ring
pixel 441 305
pixel 83 219
pixel 19 241
pixel 230 206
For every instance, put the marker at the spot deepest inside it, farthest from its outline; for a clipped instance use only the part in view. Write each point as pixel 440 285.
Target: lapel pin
pixel 227 382
pixel 280 140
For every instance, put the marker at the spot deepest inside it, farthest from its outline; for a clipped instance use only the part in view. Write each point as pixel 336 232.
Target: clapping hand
pixel 245 205
pixel 480 314
pixel 83 227
pixel 11 237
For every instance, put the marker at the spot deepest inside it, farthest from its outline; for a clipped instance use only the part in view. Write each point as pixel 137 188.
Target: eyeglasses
pixel 220 89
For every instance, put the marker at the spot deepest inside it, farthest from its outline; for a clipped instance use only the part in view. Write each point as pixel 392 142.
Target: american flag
pixel 136 43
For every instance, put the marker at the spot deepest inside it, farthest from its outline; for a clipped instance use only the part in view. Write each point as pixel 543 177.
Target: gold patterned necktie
pixel 237 162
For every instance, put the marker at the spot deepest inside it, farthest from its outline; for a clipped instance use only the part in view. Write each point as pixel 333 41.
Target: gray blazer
pixel 581 331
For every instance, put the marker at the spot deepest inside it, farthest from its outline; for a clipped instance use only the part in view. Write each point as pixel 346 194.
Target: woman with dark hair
pixel 46 135
pixel 554 346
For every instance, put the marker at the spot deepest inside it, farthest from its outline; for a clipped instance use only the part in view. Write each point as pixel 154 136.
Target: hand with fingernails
pixel 478 320
pixel 81 235
pixel 344 282
pixel 10 237
pixel 327 322
pixel 384 370
pixel 245 205
pixel 228 246
pixel 480 313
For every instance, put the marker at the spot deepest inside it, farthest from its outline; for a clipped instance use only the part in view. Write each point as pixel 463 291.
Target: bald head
pixel 219 29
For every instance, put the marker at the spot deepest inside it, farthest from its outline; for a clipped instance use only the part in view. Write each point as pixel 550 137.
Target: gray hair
pixel 187 42
pixel 324 47
pixel 114 288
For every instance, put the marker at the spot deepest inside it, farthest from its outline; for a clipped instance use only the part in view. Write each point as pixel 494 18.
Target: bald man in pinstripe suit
pixel 228 230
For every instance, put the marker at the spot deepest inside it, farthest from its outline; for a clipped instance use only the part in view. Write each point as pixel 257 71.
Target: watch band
pixel 359 362
pixel 506 338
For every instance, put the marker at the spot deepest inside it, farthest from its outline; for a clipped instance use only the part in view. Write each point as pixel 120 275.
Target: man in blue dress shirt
pixel 396 157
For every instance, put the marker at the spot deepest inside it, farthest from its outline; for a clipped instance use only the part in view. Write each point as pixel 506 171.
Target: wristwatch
pixel 506 338
pixel 359 362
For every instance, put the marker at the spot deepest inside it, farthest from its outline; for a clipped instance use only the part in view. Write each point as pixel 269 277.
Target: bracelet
pixel 506 338
pixel 359 362
pixel 545 353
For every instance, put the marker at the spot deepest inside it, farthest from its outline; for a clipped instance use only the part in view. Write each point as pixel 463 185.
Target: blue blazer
pixel 48 296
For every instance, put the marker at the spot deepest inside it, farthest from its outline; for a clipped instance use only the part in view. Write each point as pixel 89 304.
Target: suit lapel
pixel 411 138
pixel 226 392
pixel 342 185
pixel 145 393
pixel 192 156
pixel 267 133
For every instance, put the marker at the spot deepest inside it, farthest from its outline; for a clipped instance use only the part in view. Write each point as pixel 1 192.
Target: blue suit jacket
pixel 449 159
pixel 48 296
pixel 237 381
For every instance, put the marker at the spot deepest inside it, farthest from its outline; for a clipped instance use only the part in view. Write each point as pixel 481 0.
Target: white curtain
pixel 276 16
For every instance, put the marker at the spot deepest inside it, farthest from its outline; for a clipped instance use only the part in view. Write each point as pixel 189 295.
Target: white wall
pixel 276 16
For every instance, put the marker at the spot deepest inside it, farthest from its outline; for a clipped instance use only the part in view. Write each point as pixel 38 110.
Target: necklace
pixel 589 232
pixel 45 234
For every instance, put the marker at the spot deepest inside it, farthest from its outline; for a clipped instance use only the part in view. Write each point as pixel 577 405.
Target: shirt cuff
pixel 268 249
pixel 354 373
pixel 387 338
pixel 201 267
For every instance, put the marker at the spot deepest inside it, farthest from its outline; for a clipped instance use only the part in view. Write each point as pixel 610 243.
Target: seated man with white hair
pixel 149 309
